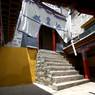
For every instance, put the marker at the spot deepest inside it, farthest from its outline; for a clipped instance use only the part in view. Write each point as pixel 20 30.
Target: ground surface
pixel 37 89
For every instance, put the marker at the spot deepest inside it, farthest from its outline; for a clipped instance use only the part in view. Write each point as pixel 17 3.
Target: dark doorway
pixel 49 39
pixel 91 60
pixel 45 38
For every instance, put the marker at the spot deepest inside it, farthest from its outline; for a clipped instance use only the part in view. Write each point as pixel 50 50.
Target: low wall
pixel 17 66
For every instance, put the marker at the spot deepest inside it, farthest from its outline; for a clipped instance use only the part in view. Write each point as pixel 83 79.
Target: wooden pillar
pixel 53 41
pixel 85 65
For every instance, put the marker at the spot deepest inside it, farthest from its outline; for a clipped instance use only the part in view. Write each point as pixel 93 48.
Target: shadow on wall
pixel 16 66
pixel 23 90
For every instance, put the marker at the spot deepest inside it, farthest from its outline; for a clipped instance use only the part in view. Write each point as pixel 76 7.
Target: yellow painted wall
pixel 32 55
pixel 17 66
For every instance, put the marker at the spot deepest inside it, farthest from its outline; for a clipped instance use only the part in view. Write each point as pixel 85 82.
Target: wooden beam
pixel 81 43
pixel 85 65
pixel 88 23
pixel 53 41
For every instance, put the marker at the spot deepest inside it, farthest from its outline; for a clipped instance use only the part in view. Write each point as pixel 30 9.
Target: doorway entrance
pixel 49 39
pixel 45 38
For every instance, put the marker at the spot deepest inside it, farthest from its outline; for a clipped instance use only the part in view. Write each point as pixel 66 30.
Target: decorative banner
pixel 33 15
pixel 29 26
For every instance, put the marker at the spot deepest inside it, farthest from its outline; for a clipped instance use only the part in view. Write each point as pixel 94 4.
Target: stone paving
pixel 84 89
pixel 37 89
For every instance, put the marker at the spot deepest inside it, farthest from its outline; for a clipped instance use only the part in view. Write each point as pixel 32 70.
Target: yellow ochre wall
pixel 17 66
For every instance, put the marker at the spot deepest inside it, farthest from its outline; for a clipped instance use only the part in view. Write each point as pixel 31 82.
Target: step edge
pixel 65 76
pixel 70 82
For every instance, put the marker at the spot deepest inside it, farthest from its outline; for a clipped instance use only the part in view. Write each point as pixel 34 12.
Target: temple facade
pixel 41 27
pixel 84 44
pixel 36 27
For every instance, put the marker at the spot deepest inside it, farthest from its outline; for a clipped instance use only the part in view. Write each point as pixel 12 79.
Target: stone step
pixel 54 69
pixel 56 60
pixel 61 68
pixel 50 56
pixel 60 79
pixel 60 86
pixel 53 54
pixel 52 60
pixel 57 64
pixel 47 51
pixel 63 73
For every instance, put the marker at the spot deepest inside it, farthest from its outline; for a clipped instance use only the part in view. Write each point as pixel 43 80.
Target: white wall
pixel 77 22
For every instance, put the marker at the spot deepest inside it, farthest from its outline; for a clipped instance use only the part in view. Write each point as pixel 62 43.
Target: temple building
pixel 46 43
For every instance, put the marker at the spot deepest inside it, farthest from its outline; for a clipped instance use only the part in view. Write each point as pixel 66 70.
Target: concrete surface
pixel 84 89
pixel 23 90
pixel 37 89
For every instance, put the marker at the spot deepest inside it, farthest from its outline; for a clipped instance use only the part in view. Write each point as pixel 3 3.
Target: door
pixel 45 38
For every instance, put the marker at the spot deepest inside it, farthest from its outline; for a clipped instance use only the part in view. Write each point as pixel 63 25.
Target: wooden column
pixel 53 41
pixel 85 65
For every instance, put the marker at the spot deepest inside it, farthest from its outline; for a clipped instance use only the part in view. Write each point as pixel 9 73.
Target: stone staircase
pixel 54 70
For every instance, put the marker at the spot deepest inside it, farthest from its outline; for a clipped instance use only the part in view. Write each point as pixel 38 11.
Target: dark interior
pixel 10 13
pixel 45 38
pixel 77 62
pixel 91 60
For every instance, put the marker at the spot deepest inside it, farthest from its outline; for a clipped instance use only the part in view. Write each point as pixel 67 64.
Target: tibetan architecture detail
pixel 34 12
pixel 54 47
pixel 33 15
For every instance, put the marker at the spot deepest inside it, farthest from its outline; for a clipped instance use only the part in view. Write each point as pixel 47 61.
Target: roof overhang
pixel 83 6
pixel 82 44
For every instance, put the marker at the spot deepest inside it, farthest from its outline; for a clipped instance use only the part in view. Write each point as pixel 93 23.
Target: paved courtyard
pixel 84 89
pixel 37 89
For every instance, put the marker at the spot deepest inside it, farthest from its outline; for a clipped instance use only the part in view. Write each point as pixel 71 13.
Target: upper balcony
pixel 84 40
